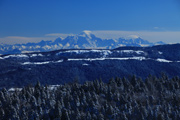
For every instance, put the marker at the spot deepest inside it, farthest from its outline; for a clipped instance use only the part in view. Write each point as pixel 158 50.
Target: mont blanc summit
pixel 83 40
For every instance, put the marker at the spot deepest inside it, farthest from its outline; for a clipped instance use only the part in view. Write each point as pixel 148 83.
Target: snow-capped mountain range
pixel 84 40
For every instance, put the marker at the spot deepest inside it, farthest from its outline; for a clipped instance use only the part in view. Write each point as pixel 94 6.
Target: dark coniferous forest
pixel 155 98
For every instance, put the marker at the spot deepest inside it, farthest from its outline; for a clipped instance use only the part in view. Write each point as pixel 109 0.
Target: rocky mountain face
pixel 65 66
pixel 84 40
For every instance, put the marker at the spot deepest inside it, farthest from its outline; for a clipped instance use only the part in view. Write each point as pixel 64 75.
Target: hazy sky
pixel 34 20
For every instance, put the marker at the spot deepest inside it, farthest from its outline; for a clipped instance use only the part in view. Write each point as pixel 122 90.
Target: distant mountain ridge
pixel 84 40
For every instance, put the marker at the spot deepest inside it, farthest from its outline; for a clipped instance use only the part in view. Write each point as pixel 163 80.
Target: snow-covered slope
pixel 85 55
pixel 62 66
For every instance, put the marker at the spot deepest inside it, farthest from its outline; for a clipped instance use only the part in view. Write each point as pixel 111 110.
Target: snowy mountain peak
pixel 132 37
pixel 86 33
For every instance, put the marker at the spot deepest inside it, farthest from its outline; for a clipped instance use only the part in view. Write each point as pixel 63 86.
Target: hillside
pixel 63 66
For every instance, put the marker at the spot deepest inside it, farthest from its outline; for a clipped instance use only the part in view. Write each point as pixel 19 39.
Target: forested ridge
pixel 62 66
pixel 120 99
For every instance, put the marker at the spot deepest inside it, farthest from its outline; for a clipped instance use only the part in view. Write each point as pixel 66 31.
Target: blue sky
pixel 33 20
